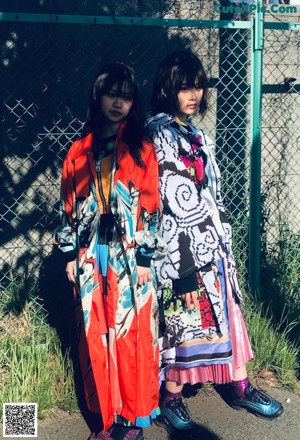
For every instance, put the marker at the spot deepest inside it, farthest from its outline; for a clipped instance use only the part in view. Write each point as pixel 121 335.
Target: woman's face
pixel 189 99
pixel 115 105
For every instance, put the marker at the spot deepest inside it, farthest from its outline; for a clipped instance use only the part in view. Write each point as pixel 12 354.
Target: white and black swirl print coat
pixel 195 226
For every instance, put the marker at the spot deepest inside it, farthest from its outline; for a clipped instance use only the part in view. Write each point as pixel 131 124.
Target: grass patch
pixel 32 365
pixel 272 347
pixel 281 282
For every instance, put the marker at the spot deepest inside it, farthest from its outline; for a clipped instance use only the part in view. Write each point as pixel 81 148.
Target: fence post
pixel 255 147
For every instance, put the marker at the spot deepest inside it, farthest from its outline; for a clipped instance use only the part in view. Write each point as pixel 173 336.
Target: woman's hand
pixel 70 271
pixel 144 275
pixel 190 298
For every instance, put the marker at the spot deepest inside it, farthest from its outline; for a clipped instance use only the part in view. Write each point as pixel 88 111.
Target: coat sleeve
pixel 65 233
pixel 148 238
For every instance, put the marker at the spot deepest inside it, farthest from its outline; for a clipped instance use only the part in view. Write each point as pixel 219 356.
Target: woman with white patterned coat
pixel 204 337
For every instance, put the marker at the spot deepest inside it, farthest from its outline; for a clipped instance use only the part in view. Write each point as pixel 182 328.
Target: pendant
pixel 192 171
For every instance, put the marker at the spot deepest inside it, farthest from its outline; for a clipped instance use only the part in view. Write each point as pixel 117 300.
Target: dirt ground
pixel 216 419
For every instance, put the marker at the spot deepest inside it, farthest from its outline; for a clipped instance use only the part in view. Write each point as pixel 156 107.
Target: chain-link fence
pixel 280 127
pixel 49 62
pixel 281 175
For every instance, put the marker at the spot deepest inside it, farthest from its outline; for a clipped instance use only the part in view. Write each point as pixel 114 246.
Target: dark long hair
pixel 176 68
pixel 120 74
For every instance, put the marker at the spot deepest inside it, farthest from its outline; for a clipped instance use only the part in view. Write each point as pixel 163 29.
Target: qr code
pixel 19 420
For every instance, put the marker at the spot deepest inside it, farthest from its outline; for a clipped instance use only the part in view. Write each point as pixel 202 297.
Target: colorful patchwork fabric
pixel 199 336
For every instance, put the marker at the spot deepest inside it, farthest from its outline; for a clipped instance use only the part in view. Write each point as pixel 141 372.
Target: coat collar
pixel 83 146
pixel 166 126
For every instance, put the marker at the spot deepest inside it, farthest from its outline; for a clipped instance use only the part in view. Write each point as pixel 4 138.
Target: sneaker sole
pixel 258 414
pixel 163 422
pixel 104 436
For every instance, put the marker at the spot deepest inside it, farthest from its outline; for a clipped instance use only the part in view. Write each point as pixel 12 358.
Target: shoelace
pixel 256 396
pixel 179 408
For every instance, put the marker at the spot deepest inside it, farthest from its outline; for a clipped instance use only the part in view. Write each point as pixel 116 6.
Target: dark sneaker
pixel 175 416
pixel 258 403
pixel 121 432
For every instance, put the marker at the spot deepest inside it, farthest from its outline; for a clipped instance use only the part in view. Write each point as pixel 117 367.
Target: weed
pixel 32 366
pixel 281 281
pixel 21 291
pixel 272 347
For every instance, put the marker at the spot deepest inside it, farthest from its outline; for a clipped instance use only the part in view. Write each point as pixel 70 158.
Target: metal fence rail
pixel 48 62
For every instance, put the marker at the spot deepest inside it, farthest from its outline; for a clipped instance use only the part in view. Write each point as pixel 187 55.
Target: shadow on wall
pixel 46 71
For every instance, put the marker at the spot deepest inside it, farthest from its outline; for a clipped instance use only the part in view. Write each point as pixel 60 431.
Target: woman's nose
pixel 193 93
pixel 118 101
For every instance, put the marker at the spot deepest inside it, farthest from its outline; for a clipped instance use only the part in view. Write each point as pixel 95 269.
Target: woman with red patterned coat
pixel 109 235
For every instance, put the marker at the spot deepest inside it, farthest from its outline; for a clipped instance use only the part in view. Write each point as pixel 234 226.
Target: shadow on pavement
pixel 199 433
pixel 225 392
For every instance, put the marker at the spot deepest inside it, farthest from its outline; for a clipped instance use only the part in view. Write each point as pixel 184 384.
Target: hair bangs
pixel 123 83
pixel 192 74
pixel 120 77
pixel 124 87
pixel 196 78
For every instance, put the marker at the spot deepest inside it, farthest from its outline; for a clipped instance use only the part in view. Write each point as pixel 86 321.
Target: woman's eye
pixel 111 94
pixel 127 98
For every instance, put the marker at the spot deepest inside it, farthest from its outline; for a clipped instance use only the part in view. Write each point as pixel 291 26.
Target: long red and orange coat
pixel 120 321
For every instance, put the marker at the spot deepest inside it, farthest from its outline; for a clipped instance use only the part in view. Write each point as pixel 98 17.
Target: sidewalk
pixel 219 421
